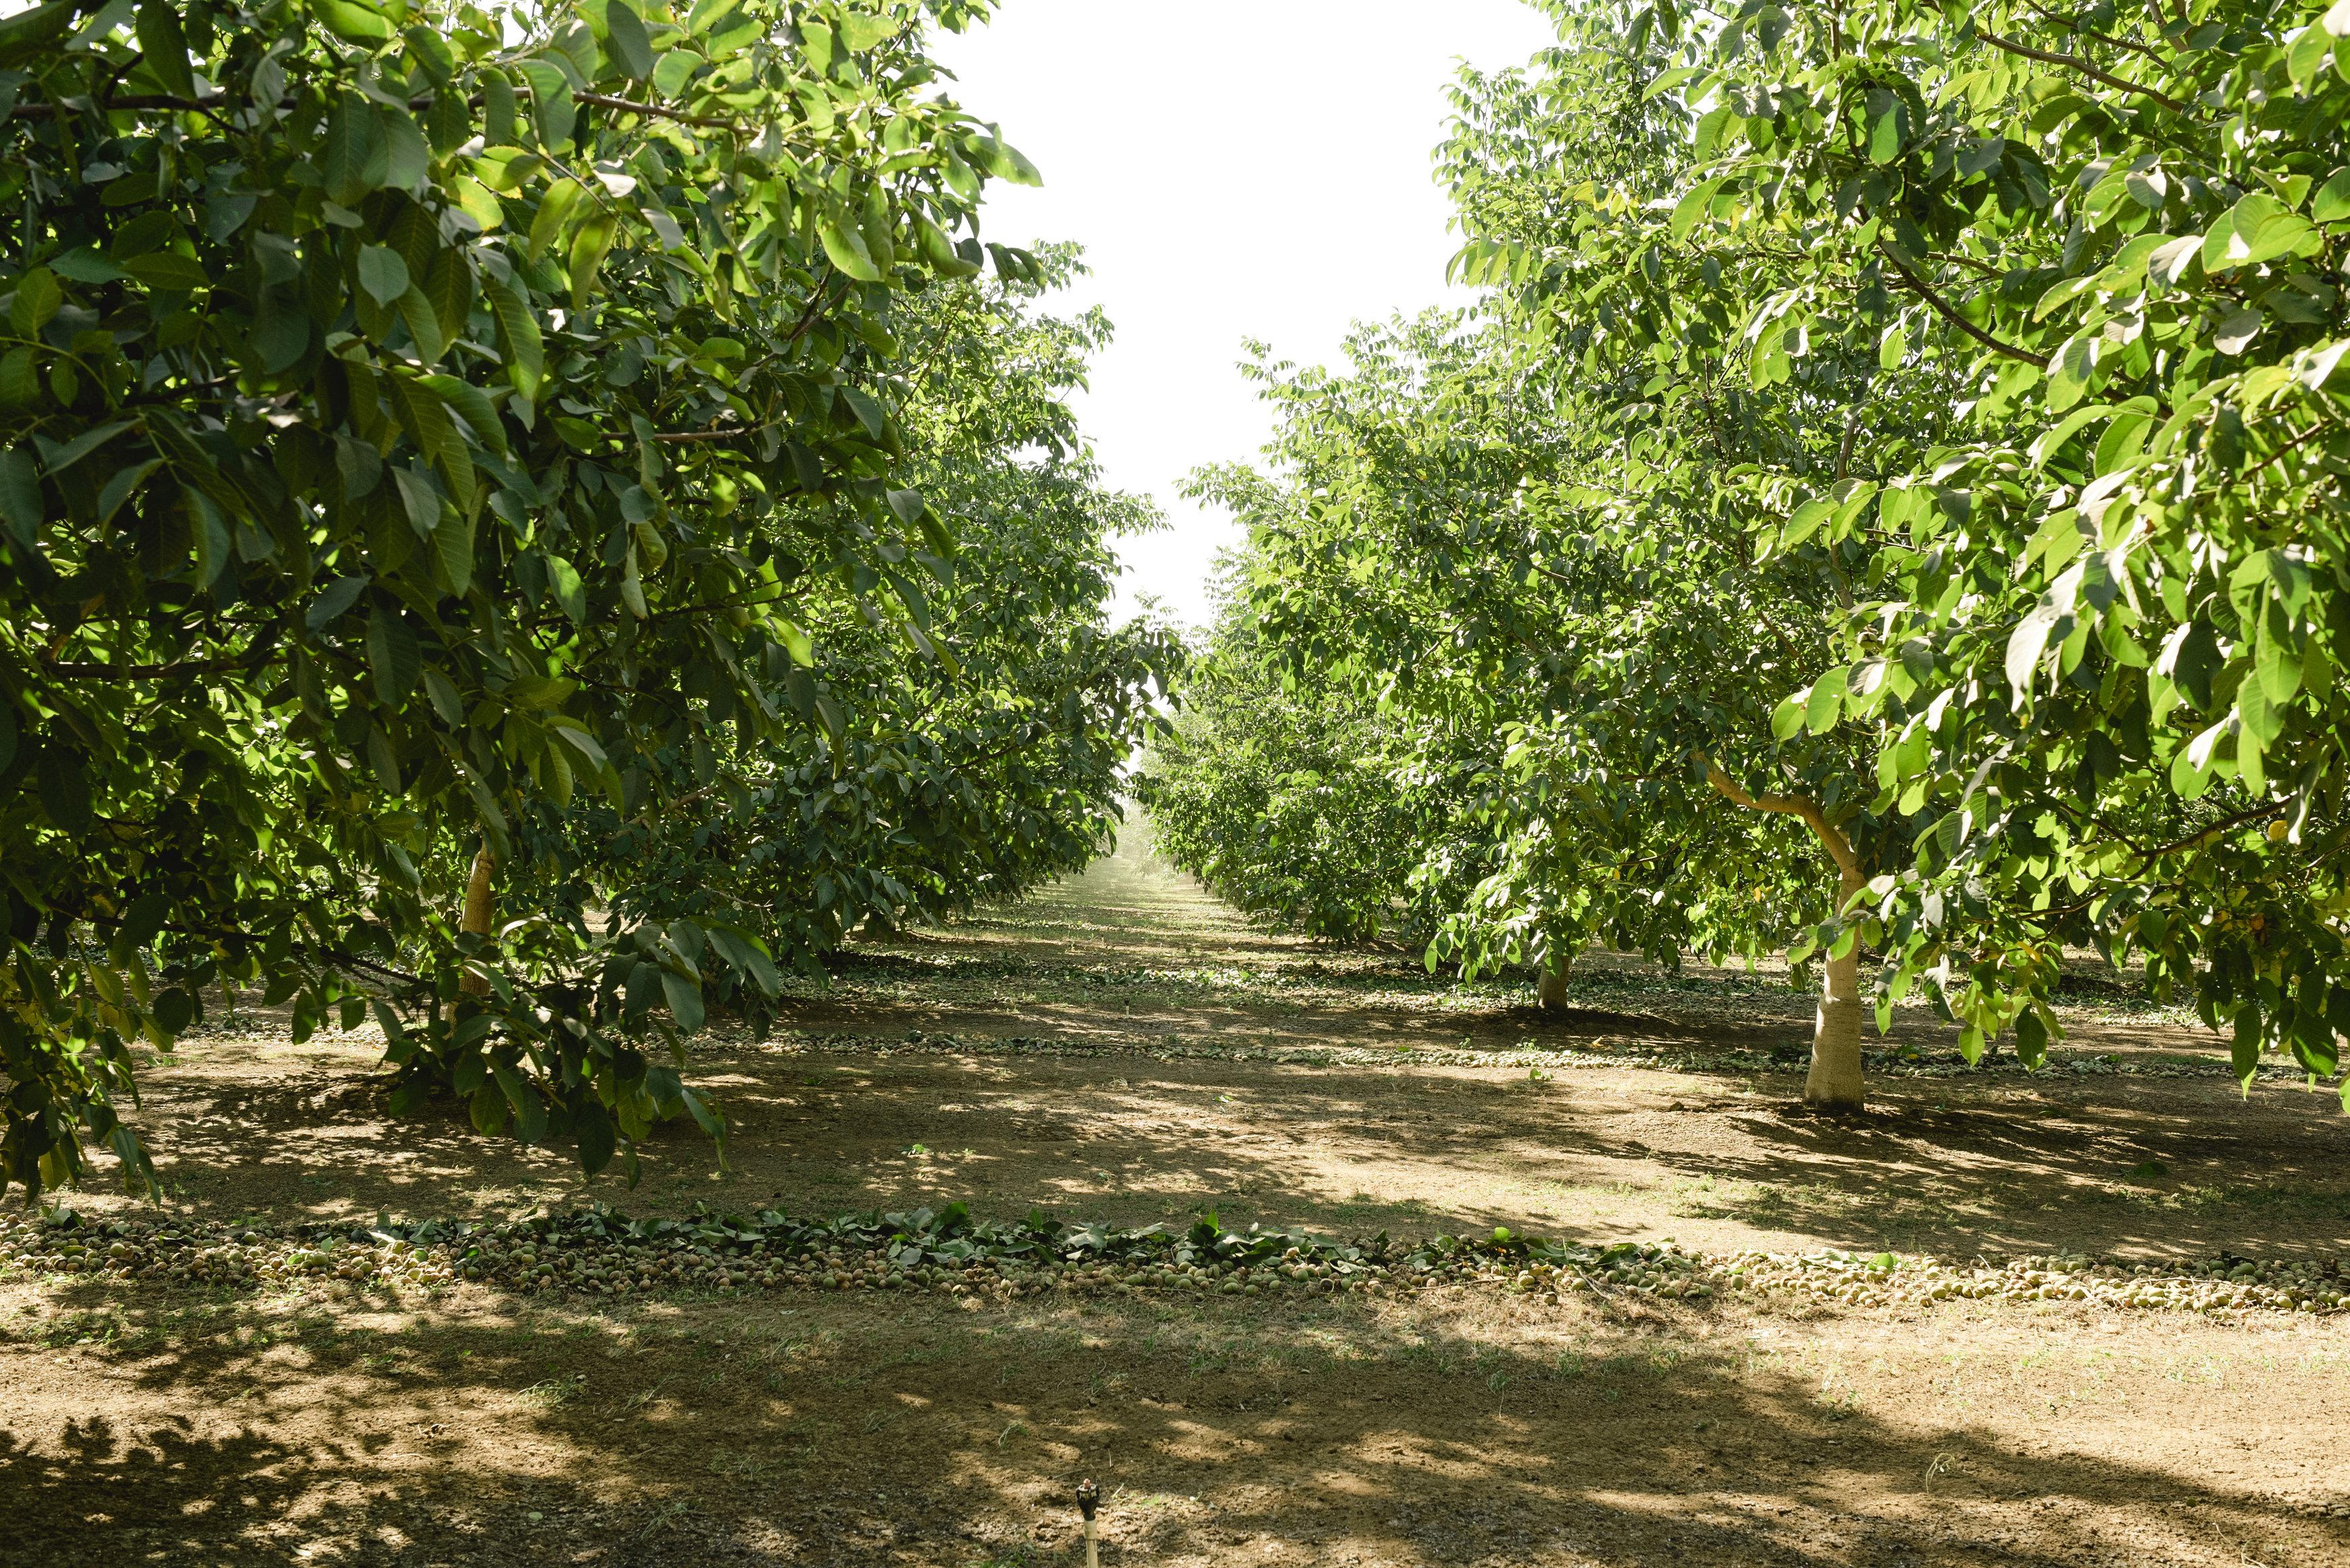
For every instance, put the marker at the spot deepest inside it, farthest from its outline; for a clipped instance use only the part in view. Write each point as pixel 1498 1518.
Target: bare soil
pixel 1124 1048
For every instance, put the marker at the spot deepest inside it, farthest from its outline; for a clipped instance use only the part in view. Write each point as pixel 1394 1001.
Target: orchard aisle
pixel 1123 1048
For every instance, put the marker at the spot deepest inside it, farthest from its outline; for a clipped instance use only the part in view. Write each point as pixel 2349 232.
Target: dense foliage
pixel 1918 423
pixel 1302 801
pixel 973 760
pixel 419 420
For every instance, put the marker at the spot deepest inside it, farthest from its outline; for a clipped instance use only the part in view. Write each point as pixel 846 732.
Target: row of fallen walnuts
pixel 595 1251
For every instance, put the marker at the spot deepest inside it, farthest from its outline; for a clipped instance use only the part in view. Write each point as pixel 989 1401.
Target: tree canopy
pixel 1916 422
pixel 425 425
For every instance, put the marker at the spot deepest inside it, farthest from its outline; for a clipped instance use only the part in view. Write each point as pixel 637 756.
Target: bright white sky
pixel 1234 168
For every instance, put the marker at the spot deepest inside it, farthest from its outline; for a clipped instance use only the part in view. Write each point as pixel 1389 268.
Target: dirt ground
pixel 1124 1048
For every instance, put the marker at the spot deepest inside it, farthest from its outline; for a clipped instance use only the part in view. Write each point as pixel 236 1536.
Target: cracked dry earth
pixel 1124 1048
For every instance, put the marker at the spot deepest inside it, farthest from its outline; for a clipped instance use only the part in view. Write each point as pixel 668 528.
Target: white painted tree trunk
pixel 481 912
pixel 1550 992
pixel 1834 1083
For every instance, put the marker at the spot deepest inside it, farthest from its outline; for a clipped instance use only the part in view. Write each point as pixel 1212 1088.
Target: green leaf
pixel 480 203
pixel 2283 234
pixel 796 642
pixel 20 496
pixel 518 336
pixel 2030 640
pixel 1668 80
pixel 705 1116
pixel 846 249
pixel 938 250
pixel 563 579
pixel 420 504
pixel 1825 703
pixel 394 657
pixel 869 412
pixel 32 33
pixel 817 43
pixel 173 1011
pixel 382 273
pixel 407 155
pixel 353 21
pixel 684 1000
pixel 168 272
pixel 472 405
pixel 426 420
pixel 860 31
pixel 1006 164
pixel 1885 136
pixel 2169 264
pixel 58 459
pixel 85 264
pixel 453 543
pixel 2031 1038
pixel 2190 658
pixel 1787 719
pixel 529 1109
pixel 487 1108
pixel 1691 208
pixel 353 142
pixel 631 46
pixel 37 298
pixel 142 922
pixel 334 601
pixel 212 543
pixel 2122 274
pixel 588 247
pixel 2244 1047
pixel 591 1124
pixel 20 379
pixel 2308 55
pixel 2235 333
pixel 676 67
pixel 2051 441
pixel 2070 369
pixel 748 959
pixel 553 108
pixel 498 112
pixel 62 780
pixel 549 224
pixel 2313 367
pixel 2331 202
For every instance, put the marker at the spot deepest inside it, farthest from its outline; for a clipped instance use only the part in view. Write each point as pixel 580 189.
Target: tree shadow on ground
pixel 2158 1168
pixel 910 1432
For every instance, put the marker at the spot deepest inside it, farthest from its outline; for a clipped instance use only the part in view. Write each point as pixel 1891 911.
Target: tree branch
pixel 1831 838
pixel 781 594
pixel 629 106
pixel 80 671
pixel 2075 28
pixel 2075 62
pixel 2196 840
pixel 683 437
pixel 229 933
pixel 1959 259
pixel 1950 312
pixel 129 100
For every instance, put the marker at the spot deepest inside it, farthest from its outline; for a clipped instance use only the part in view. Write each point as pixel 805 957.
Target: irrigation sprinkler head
pixel 1088 1499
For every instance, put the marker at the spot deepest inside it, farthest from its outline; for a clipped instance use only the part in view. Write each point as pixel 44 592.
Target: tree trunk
pixel 481 912
pixel 1550 989
pixel 1834 1083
